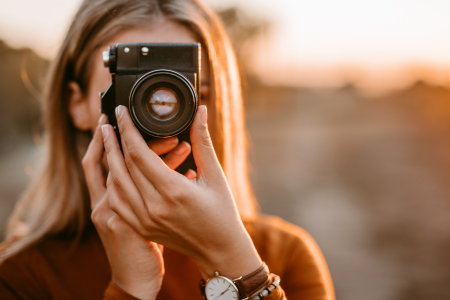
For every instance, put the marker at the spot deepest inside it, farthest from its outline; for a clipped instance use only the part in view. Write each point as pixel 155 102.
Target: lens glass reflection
pixel 163 103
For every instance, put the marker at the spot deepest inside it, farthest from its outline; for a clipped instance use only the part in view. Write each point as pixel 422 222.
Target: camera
pixel 160 85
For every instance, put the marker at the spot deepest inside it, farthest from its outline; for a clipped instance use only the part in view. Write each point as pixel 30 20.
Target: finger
pixel 119 175
pixel 119 206
pixel 163 146
pixel 190 174
pixel 205 157
pixel 101 213
pixel 174 158
pixel 138 155
pixel 92 165
pixel 143 184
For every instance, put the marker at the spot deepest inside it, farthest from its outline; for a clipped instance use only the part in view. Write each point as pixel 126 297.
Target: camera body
pixel 160 85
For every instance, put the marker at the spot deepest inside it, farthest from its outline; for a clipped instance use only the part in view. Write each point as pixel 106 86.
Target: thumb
pixel 202 147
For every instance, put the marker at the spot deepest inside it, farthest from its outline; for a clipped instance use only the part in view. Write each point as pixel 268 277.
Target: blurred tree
pixel 22 74
pixel 244 31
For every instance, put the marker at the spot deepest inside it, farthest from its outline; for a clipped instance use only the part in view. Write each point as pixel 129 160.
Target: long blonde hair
pixel 57 201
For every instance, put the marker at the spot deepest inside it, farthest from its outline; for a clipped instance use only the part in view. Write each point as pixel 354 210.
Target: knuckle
pixel 86 162
pixel 108 148
pixel 113 200
pixel 128 162
pixel 123 126
pixel 206 140
pixel 135 155
pixel 174 193
pixel 95 216
pixel 115 180
pixel 113 205
pixel 111 224
pixel 157 217
pixel 117 226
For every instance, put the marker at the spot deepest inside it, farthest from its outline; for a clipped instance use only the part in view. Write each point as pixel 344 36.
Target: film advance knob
pixel 106 59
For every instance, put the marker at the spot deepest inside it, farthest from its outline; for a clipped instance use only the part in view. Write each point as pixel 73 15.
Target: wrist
pixel 250 286
pixel 241 259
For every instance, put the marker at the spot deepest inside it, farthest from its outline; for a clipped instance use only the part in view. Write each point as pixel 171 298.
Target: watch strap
pixel 247 285
pixel 202 285
pixel 253 282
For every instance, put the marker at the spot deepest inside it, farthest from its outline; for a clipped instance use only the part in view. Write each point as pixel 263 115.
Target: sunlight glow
pixel 322 42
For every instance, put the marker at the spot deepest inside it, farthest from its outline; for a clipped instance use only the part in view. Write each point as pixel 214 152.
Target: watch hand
pixel 223 292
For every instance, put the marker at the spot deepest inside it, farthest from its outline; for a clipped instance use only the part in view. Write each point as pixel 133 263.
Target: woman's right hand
pixel 136 264
pixel 197 217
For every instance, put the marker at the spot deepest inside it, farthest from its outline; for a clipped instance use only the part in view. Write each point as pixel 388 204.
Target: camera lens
pixel 163 103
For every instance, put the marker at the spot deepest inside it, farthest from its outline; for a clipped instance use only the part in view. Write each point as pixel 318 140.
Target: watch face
pixel 221 288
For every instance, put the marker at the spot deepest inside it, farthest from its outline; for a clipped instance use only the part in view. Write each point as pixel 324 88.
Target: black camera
pixel 160 85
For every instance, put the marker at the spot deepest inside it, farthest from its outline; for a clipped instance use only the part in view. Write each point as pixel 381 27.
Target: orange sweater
pixel 57 268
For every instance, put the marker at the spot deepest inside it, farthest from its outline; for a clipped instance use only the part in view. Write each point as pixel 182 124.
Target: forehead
pixel 159 31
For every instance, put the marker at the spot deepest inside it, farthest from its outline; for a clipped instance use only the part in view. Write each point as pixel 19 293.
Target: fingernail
pixel 101 119
pixel 105 131
pixel 182 148
pixel 119 112
pixel 203 115
pixel 172 141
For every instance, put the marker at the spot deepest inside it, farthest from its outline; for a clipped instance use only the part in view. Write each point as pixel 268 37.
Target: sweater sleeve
pixel 292 253
pixel 306 275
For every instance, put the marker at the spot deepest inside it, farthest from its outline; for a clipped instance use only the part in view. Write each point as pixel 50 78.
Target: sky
pixel 318 43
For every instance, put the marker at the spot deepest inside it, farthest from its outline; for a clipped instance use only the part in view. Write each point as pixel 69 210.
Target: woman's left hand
pixel 137 265
pixel 197 217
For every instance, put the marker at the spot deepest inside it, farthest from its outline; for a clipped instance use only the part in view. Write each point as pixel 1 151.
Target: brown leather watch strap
pixel 253 282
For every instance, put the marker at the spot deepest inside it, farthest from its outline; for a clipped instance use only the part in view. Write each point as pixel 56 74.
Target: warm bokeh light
pixel 39 25
pixel 375 44
pixel 347 107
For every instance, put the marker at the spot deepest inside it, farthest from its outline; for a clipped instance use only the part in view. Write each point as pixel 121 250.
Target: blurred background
pixel 348 112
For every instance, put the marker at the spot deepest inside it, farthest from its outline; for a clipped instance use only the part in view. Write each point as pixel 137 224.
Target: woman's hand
pixel 197 217
pixel 136 264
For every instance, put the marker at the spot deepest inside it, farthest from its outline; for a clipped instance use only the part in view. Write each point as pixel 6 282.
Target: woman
pixel 207 221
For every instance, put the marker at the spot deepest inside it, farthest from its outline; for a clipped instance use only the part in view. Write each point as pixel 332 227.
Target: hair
pixel 57 201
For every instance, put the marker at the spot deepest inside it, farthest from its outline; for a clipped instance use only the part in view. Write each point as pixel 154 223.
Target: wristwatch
pixel 220 287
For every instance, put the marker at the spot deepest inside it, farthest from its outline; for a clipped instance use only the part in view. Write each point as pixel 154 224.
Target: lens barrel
pixel 163 103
